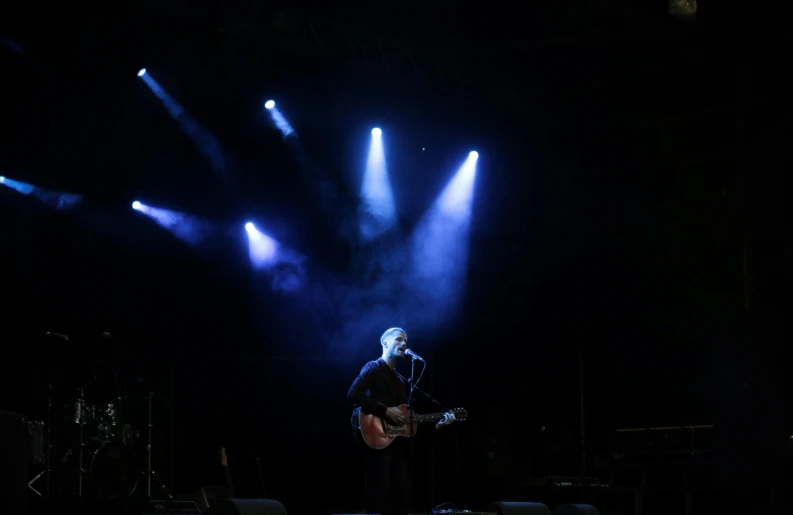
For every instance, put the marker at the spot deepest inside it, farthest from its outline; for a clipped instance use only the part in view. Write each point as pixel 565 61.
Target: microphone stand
pixel 261 474
pixel 411 457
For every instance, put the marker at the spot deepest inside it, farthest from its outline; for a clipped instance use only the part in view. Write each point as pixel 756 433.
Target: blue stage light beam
pixel 206 143
pixel 262 249
pixel 20 187
pixel 439 243
pixel 377 213
pixel 456 200
pixel 11 45
pixel 59 200
pixel 278 119
pixel 189 229
pixel 286 265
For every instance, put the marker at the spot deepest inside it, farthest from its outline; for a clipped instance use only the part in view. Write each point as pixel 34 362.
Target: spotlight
pixel 2 179
pixel 142 72
pixel 269 104
pixel 136 205
pixel 376 132
pixel 249 227
pixel 474 154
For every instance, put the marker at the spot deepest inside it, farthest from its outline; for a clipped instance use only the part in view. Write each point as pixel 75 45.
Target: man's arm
pixel 359 392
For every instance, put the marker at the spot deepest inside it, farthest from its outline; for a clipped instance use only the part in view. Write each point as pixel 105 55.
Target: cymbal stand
pixel 149 473
pixel 119 394
pixel 80 414
pixel 81 421
pixel 261 474
pixel 49 440
pixel 48 457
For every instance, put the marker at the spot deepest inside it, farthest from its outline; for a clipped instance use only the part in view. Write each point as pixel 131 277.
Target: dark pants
pixel 387 480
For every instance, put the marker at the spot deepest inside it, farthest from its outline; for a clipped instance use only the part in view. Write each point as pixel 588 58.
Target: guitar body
pixel 378 434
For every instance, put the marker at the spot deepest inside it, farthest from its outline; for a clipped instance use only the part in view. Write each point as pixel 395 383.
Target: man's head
pixel 394 342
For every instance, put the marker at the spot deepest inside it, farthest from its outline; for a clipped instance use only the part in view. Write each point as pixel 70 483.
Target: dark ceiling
pixel 620 96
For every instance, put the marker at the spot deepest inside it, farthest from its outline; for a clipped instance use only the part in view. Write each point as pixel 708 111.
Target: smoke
pixel 379 288
pixel 378 291
pixel 439 259
pixel 289 273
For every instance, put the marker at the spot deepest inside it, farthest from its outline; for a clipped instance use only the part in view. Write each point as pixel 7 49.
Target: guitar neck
pixel 431 417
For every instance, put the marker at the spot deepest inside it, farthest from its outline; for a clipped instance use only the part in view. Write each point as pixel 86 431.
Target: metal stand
pixel 261 474
pixel 119 394
pixel 582 428
pixel 80 414
pixel 48 459
pixel 81 420
pixel 149 473
pixel 411 453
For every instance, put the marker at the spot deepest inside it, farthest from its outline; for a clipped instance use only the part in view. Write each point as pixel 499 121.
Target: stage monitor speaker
pixel 207 496
pixel 575 509
pixel 246 507
pixel 519 508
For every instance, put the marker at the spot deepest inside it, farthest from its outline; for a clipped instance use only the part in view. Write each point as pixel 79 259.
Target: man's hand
pixel 394 417
pixel 447 420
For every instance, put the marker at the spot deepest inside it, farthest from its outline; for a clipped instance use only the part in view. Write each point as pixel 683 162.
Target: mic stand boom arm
pixel 428 396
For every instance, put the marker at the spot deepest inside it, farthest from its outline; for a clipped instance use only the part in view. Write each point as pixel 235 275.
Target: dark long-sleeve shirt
pixel 376 389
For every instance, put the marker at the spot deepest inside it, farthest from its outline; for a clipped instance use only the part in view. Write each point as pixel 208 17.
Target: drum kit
pixel 91 444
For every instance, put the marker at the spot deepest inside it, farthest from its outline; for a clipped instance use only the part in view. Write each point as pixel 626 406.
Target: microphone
pixel 57 335
pixel 414 355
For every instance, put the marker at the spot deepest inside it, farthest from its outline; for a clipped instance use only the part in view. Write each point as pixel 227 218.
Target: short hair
pixel 392 331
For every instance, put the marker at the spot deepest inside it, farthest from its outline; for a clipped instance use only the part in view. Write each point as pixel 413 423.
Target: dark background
pixel 629 205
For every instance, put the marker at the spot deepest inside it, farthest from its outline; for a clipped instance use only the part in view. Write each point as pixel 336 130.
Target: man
pixel 376 391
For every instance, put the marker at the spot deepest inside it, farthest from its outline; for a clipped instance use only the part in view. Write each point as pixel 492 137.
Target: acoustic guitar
pixel 379 434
